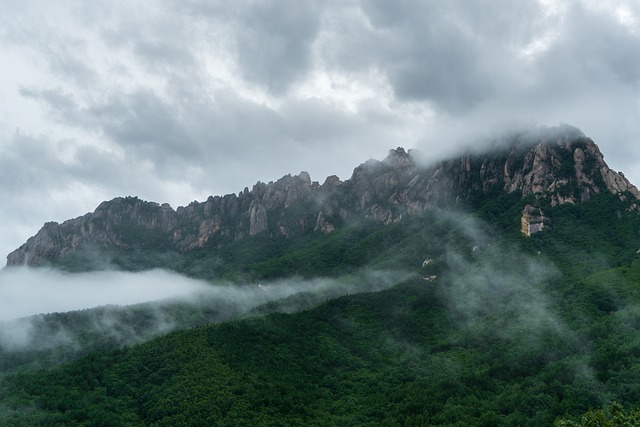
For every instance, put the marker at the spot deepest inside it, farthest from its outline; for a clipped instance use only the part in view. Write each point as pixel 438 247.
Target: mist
pixel 501 297
pixel 503 285
pixel 495 280
pixel 42 309
pixel 26 292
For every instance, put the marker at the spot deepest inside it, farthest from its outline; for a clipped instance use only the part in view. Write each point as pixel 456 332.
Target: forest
pixel 495 329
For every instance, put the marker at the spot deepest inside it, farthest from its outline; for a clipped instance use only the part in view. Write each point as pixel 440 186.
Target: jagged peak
pixel 399 159
pixel 398 152
pixel 396 158
pixel 558 163
pixel 305 177
pixel 332 181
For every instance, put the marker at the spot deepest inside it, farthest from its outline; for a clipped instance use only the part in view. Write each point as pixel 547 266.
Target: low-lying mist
pixel 43 309
pixel 26 291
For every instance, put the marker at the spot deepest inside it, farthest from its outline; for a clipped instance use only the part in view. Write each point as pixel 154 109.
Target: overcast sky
pixel 173 101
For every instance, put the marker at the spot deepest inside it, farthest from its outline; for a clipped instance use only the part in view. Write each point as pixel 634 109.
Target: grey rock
pixel 560 164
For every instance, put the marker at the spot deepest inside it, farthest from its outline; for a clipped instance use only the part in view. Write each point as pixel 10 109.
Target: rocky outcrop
pixel 561 165
pixel 532 220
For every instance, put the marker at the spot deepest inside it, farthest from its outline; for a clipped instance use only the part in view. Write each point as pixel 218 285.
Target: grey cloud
pixel 57 102
pixel 463 57
pixel 69 60
pixel 34 163
pixel 63 53
pixel 440 63
pixel 592 48
pixel 29 162
pixel 174 135
pixel 313 121
pixel 164 53
pixel 151 126
pixel 147 127
pixel 162 45
pixel 459 58
pixel 274 41
pixel 447 71
pixel 451 54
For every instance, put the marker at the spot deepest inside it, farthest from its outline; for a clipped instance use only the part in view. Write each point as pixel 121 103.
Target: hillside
pixel 503 336
pixel 498 288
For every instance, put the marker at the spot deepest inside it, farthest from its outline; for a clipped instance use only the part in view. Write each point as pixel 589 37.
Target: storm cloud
pixel 173 101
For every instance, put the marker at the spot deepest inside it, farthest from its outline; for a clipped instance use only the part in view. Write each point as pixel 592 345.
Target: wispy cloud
pixel 131 307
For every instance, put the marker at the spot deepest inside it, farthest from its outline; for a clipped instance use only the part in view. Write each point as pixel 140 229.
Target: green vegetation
pixel 512 331
pixel 615 416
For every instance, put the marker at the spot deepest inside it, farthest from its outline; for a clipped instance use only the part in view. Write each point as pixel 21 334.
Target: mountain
pixel 549 167
pixel 498 288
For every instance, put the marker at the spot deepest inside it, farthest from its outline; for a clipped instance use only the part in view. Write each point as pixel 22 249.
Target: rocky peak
pixel 566 170
pixel 332 182
pixel 399 159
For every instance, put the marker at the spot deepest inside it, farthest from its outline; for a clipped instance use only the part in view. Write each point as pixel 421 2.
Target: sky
pixel 176 100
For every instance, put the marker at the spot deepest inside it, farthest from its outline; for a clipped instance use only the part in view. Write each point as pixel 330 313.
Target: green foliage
pixel 400 246
pixel 394 357
pixel 615 416
pixel 593 236
pixel 368 243
pixel 514 331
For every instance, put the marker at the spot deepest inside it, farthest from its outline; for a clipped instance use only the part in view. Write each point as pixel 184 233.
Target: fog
pixel 505 287
pixel 25 291
pixel 43 309
pixel 499 282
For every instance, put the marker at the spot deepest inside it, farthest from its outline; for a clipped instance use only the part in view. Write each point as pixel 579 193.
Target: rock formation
pixel 561 165
pixel 533 220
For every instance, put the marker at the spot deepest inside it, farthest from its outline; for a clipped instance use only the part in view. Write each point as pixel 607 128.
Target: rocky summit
pixel 557 166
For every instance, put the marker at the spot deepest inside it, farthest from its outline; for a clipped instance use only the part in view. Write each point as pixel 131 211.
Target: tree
pixel 614 417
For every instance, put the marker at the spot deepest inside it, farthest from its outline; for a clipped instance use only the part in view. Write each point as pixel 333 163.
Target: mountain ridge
pixel 552 166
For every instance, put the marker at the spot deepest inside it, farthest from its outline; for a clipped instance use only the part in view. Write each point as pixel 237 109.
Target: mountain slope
pixel 503 336
pixel 553 166
pixel 488 326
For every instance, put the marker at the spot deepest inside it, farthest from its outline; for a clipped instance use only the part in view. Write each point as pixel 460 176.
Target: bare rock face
pixel 105 227
pixel 257 218
pixel 532 220
pixel 43 246
pixel 559 164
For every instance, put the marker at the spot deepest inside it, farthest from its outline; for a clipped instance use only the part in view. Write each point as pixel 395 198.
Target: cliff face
pixel 562 165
